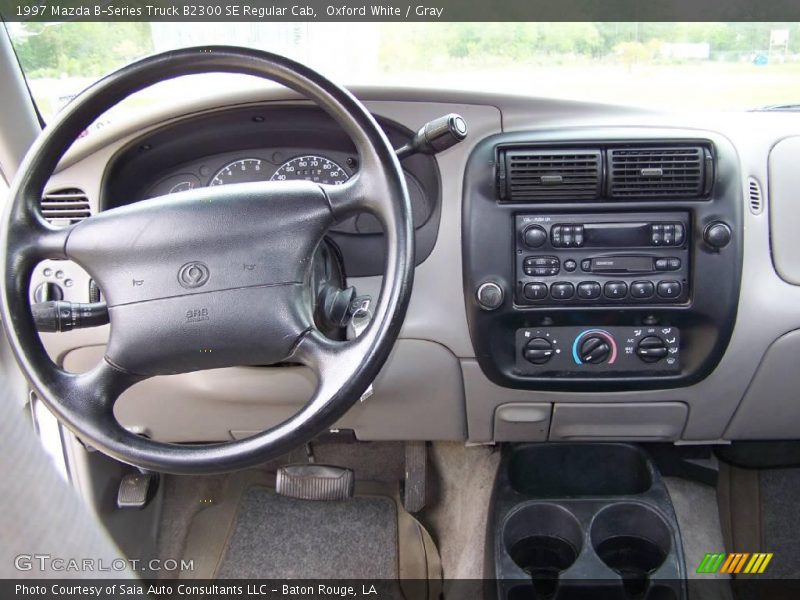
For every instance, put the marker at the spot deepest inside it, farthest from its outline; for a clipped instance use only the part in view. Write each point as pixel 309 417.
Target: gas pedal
pixel 315 482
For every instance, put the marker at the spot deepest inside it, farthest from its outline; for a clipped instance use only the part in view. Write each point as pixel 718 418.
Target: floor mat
pixel 780 518
pixel 277 537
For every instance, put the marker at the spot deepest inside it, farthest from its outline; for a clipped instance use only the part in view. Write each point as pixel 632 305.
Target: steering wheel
pixel 207 278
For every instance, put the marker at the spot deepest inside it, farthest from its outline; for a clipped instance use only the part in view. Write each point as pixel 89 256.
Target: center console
pixel 572 521
pixel 603 259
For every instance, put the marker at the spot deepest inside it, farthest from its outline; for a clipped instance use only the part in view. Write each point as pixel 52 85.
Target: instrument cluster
pixel 266 165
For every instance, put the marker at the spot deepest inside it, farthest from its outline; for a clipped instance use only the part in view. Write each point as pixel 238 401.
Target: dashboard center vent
pixel 755 196
pixel 660 172
pixel 65 206
pixel 548 174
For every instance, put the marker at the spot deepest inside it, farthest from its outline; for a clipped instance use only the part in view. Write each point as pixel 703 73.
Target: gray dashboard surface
pixel 769 306
pixel 784 187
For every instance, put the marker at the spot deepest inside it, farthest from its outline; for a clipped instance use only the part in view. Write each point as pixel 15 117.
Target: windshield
pixel 672 66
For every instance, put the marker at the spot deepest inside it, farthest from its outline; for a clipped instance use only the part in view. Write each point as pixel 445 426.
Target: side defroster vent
pixel 755 197
pixel 668 172
pixel 548 175
pixel 65 206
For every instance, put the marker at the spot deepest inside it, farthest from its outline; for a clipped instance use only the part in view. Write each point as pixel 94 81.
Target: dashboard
pixel 548 305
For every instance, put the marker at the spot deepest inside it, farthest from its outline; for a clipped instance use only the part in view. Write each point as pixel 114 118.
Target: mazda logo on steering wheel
pixel 193 274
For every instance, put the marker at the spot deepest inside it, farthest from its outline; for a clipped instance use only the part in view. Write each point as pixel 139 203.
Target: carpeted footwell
pixel 278 537
pixel 780 518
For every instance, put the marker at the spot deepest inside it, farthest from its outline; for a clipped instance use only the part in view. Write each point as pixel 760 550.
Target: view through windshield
pixel 673 66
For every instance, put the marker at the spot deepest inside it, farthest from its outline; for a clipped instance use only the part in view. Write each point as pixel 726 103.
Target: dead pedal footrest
pixel 315 482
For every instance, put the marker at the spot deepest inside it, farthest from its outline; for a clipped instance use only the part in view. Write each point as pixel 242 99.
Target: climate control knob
pixel 594 350
pixel 651 349
pixel 538 351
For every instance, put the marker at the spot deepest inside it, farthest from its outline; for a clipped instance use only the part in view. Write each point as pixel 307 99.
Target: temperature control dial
pixel 595 350
pixel 594 347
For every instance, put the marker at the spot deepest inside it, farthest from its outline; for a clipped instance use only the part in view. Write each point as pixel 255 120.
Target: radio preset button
pixel 669 289
pixel 562 290
pixel 589 290
pixel 642 289
pixel 535 290
pixel 615 290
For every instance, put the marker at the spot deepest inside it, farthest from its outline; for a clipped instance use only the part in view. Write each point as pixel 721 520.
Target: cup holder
pixel 543 540
pixel 632 540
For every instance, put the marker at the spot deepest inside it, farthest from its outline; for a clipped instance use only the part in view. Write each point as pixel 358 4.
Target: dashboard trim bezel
pixel 488 244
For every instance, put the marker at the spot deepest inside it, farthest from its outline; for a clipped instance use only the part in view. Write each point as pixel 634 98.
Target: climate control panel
pixel 571 351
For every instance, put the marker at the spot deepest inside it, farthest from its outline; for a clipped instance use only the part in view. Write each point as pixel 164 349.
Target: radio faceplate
pixel 602 259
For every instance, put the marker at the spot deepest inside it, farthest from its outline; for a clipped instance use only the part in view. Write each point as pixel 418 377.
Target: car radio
pixel 602 259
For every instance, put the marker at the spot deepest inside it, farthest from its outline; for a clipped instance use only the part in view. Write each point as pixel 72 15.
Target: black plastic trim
pixel 706 321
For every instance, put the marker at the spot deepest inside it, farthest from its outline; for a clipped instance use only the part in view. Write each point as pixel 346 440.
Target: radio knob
pixel 534 236
pixel 717 234
pixel 651 349
pixel 538 351
pixel 595 350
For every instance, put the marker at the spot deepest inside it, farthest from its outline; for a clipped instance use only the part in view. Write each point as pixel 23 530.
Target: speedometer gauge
pixel 311 168
pixel 240 171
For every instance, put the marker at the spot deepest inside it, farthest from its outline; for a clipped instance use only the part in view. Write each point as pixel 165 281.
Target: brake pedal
pixel 315 482
pixel 136 490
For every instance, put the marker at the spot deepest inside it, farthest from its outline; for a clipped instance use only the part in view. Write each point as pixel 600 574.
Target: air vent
pixel 65 206
pixel 547 174
pixel 755 196
pixel 659 172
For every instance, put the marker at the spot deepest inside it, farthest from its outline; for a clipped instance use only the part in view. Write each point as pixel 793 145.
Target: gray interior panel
pixel 771 407
pixel 437 312
pixel 784 192
pixel 522 422
pixel 418 396
pixel 635 421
